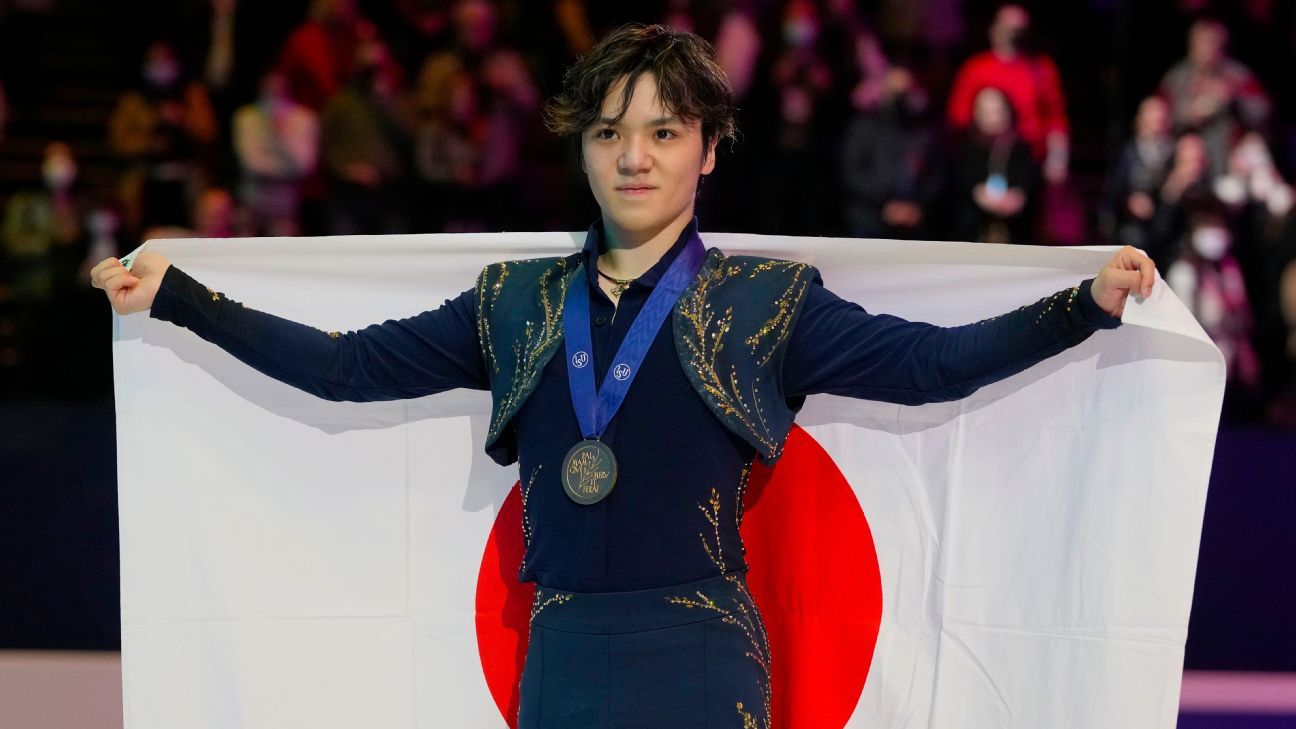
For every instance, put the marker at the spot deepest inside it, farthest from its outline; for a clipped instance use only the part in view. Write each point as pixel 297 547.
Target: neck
pixel 628 254
pixel 1005 53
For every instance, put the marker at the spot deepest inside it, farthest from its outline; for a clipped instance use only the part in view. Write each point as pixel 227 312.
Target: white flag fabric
pixel 289 562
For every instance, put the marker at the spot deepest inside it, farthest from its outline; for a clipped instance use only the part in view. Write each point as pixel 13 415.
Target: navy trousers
pixel 694 656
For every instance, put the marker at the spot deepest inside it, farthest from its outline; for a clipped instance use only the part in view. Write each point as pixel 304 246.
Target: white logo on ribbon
pixel 580 359
pixel 622 371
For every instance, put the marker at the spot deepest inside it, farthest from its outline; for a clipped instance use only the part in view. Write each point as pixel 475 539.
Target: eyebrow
pixel 660 121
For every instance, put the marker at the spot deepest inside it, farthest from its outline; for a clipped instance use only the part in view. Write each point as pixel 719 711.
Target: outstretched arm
pixel 424 354
pixel 839 348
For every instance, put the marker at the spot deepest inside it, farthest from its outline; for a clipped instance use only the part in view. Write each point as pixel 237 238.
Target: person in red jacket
pixel 319 55
pixel 1030 81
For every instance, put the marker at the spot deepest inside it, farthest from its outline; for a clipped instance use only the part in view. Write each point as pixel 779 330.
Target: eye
pixel 604 133
pixel 664 134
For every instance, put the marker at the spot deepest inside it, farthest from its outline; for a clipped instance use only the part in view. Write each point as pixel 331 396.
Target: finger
pixel 104 264
pixel 1147 275
pixel 118 279
pixel 1132 259
pixel 1123 280
pixel 1127 258
pixel 102 267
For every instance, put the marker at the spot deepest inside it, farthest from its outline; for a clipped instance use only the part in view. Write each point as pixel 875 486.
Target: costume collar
pixel 594 246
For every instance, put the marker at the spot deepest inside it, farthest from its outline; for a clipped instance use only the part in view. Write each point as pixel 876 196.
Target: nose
pixel 635 156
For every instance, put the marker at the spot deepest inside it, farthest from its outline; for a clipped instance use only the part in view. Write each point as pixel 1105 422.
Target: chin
pixel 641 220
pixel 635 221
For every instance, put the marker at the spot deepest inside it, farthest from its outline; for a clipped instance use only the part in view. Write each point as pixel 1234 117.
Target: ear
pixel 709 157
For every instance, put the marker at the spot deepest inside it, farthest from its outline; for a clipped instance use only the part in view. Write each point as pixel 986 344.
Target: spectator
pixel 1260 202
pixel 1252 178
pixel 165 131
pixel 871 66
pixel 319 56
pixel 1185 194
pixel 44 233
pixel 889 165
pixel 509 97
pixel 1210 93
pixel 1207 277
pixel 443 107
pixel 797 196
pixel 1133 185
pixel 276 141
pixel 1194 244
pixel 995 177
pixel 363 150
pixel 1030 83
pixel 217 215
pixel 738 46
pixel 473 112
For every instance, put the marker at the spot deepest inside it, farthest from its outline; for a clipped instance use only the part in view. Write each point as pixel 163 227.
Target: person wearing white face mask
pixel 44 228
pixel 164 130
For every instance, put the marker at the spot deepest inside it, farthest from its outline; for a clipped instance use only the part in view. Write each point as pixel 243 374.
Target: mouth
pixel 635 189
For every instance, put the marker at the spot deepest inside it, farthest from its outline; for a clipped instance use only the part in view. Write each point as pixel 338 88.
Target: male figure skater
pixel 634 435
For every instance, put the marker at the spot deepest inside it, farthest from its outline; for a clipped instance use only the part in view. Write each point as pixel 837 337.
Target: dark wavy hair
pixel 689 81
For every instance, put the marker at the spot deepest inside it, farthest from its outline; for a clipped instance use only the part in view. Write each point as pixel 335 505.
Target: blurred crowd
pixel 399 116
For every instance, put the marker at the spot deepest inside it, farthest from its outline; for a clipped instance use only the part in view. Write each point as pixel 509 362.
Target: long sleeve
pixel 431 352
pixel 1052 104
pixel 839 348
pixel 958 110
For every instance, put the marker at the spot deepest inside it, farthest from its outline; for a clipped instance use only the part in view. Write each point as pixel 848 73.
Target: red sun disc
pixel 813 571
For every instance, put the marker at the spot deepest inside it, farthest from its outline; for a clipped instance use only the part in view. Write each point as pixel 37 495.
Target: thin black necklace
pixel 619 285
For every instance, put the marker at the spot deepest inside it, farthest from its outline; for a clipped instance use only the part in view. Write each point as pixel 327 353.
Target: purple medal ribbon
pixel 595 409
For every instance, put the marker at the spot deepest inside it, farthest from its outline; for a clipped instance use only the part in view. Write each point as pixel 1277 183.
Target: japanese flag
pixel 1020 558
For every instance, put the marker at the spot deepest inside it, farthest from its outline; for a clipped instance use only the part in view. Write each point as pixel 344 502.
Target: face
pixel 59 168
pixel 1206 41
pixel 1010 23
pixel 1153 118
pixel 644 168
pixel 215 213
pixel 161 65
pixel 990 112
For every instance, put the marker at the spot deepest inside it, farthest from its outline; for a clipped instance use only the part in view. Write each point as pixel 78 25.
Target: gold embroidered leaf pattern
pixel 741 612
pixel 526 518
pixel 543 600
pixel 705 337
pixel 538 339
pixel 780 324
